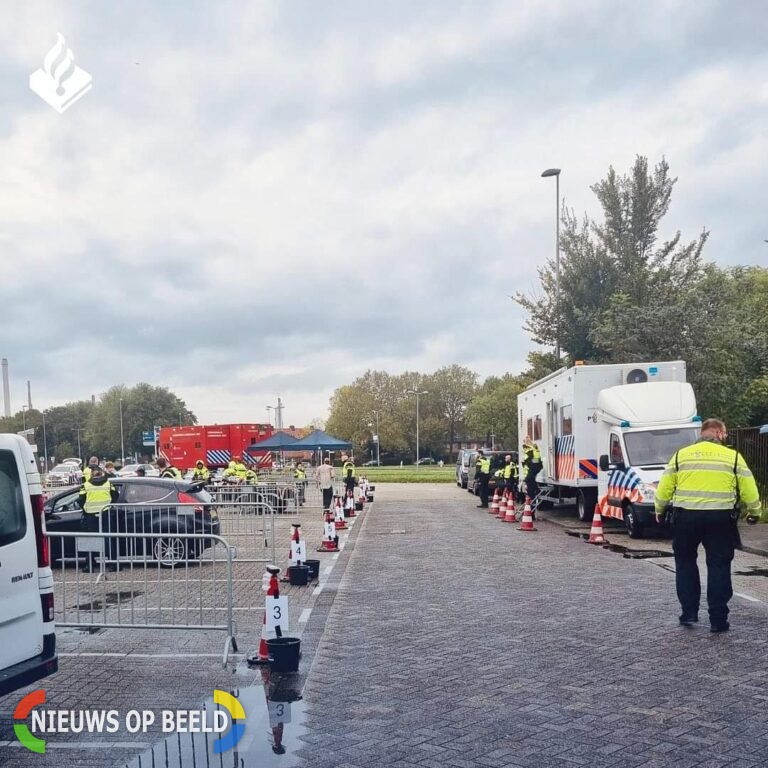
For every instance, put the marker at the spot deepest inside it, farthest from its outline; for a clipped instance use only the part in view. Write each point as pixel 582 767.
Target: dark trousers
pixel 327 497
pixel 349 484
pixel 511 487
pixel 484 489
pixel 531 486
pixel 715 530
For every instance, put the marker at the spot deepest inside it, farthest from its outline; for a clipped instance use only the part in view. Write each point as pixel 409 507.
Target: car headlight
pixel 648 490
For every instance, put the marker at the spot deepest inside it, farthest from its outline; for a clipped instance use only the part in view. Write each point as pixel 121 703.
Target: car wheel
pixel 632 521
pixel 585 505
pixel 170 551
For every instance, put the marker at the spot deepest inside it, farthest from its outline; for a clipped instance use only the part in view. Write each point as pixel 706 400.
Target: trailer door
pixel 551 471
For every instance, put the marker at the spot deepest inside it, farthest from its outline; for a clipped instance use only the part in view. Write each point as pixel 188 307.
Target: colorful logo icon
pixel 229 702
pixel 23 709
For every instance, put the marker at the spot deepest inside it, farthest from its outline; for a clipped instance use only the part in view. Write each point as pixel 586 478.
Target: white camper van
pixel 27 637
pixel 606 432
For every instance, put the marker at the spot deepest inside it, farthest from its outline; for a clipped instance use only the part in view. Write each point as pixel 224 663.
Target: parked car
pixel 426 460
pixel 27 636
pixel 462 467
pixel 73 460
pixel 497 462
pixel 129 470
pixel 371 463
pixel 64 474
pixel 144 505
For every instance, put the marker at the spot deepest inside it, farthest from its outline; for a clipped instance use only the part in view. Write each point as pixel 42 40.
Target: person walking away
pixel 707 485
pixel 201 473
pixel 96 494
pixel 326 474
pixel 300 477
pixel 510 477
pixel 168 470
pixel 533 465
pixel 348 474
pixel 484 470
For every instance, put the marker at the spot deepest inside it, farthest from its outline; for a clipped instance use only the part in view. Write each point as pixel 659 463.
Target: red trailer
pixel 214 445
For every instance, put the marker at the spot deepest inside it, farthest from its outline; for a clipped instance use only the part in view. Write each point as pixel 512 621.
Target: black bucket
pixel 298 575
pixel 314 568
pixel 371 488
pixel 284 653
pixel 369 497
pixel 358 506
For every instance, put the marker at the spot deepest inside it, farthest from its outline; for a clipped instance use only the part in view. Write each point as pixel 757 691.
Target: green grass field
pixel 409 474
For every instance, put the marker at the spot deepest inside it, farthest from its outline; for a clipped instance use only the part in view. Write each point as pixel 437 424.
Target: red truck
pixel 214 445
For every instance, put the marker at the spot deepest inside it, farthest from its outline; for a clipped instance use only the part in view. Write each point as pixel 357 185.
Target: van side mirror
pixel 604 465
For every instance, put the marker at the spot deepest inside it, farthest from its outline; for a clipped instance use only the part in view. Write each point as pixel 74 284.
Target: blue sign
pixel 653 370
pixel 157 432
pixel 148 438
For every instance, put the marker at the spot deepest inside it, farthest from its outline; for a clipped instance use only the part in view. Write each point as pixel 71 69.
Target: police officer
pixel 510 475
pixel 168 470
pixel 707 484
pixel 200 473
pixel 348 474
pixel 300 476
pixel 533 464
pixel 96 494
pixel 483 467
pixel 92 462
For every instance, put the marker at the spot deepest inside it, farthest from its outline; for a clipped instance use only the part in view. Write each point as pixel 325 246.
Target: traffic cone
pixel 295 536
pixel 511 516
pixel 330 539
pixel 338 514
pixel 349 505
pixel 273 590
pixel 494 510
pixel 596 531
pixel 527 524
pixel 502 513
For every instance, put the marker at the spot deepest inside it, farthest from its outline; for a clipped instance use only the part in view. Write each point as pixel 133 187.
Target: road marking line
pixel 116 655
pixel 304 618
pixel 317 590
pixel 336 556
pixel 747 597
pixel 327 570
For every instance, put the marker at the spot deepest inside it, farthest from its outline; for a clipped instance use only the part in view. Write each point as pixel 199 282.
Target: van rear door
pixel 21 613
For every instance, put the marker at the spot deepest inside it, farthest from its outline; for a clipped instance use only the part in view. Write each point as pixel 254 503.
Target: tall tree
pixel 453 387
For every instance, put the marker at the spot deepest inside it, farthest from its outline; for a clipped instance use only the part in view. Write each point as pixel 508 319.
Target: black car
pixel 497 462
pixel 144 505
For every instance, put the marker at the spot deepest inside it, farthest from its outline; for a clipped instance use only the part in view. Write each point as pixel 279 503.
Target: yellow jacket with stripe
pixel 707 475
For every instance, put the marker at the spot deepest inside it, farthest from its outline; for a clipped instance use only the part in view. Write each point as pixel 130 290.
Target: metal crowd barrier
pixel 136 588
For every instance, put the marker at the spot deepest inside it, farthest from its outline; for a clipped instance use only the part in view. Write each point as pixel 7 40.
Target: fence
pixel 133 590
pixel 754 448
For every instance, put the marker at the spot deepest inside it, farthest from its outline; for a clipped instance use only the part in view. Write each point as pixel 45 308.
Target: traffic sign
pixel 157 433
pixel 147 438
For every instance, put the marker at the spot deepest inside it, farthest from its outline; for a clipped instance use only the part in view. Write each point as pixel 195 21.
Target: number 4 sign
pixel 298 551
pixel 277 613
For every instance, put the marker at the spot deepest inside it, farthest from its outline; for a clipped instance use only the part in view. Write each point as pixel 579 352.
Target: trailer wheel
pixel 632 521
pixel 585 505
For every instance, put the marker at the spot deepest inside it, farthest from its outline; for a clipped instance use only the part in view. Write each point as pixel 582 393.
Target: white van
pixel 27 636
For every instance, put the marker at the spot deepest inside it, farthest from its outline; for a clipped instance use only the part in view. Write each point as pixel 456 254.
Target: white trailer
pixel 606 432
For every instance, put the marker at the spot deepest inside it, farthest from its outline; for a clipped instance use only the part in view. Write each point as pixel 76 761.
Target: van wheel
pixel 170 551
pixel 585 505
pixel 631 520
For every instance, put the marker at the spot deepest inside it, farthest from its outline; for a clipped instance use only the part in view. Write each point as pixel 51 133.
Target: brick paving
pixel 455 640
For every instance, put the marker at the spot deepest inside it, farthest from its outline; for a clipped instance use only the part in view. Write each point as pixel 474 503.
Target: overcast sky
pixel 267 198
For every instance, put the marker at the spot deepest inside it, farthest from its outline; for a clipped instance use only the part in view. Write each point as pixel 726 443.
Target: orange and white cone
pixel 527 524
pixel 511 516
pixel 596 531
pixel 494 510
pixel 502 507
pixel 338 513
pixel 273 590
pixel 330 540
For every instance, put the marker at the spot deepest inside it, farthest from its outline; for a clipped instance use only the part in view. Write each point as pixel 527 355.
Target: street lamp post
pixel 24 417
pixel 378 440
pixel 45 444
pixel 79 452
pixel 417 393
pixel 122 436
pixel 556 173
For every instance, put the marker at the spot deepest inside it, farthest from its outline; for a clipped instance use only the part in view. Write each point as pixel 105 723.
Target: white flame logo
pixel 59 63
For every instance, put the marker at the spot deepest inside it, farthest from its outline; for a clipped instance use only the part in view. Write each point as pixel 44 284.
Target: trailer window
pixel 537 428
pixel 529 428
pixel 566 420
pixel 617 457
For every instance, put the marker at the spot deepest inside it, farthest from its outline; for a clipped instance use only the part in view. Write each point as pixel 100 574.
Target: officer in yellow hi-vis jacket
pixel 708 485
pixel 96 494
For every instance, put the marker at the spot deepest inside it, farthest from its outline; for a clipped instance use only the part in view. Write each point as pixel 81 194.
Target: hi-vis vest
pixel 345 469
pixel 97 497
pixel 485 466
pixel 510 471
pixel 201 473
pixel 707 475
pixel 532 455
pixel 300 474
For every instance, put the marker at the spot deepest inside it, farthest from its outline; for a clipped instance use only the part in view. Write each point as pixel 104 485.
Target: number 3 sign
pixel 277 613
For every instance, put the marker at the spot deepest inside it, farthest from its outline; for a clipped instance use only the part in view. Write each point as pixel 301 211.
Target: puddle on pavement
pixel 626 552
pixel 752 572
pixel 110 598
pixel 274 720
